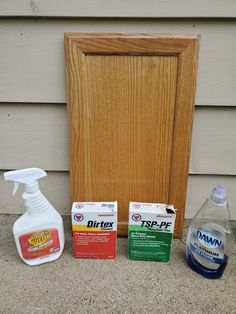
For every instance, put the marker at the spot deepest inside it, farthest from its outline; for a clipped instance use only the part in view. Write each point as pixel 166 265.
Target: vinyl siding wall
pixel 33 122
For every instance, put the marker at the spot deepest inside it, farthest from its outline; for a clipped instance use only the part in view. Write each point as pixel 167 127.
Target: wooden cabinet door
pixel 130 100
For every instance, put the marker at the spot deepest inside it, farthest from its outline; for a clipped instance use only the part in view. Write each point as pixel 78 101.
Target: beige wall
pixel 33 126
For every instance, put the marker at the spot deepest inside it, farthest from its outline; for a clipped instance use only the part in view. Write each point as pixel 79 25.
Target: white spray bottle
pixel 39 233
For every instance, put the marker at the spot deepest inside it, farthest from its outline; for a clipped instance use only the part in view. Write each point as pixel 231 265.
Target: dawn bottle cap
pixel 218 194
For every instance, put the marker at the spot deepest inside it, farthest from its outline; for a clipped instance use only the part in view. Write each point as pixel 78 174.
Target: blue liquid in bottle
pixel 204 271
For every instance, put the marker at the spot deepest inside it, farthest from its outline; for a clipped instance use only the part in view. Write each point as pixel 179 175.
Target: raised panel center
pixel 128 118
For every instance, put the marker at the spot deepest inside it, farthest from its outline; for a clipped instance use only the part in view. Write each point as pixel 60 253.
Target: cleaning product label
pixel 40 243
pixel 151 229
pixel 207 247
pixel 94 227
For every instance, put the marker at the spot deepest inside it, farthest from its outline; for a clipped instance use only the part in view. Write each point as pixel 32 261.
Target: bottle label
pixel 207 247
pixel 40 243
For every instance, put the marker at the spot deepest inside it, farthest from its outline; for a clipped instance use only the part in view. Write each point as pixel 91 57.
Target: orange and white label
pixel 94 244
pixel 40 243
pixel 94 227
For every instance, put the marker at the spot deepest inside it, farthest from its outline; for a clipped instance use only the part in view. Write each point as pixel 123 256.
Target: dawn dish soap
pixel 39 233
pixel 208 239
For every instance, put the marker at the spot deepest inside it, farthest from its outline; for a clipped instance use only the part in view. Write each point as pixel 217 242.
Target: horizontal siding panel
pixel 56 188
pixel 32 55
pixel 214 141
pixel 36 135
pixel 33 135
pixel 119 8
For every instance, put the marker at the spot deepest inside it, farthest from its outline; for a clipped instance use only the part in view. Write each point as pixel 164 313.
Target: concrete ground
pixel 69 285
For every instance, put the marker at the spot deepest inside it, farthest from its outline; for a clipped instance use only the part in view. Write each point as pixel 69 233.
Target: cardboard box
pixel 94 227
pixel 151 228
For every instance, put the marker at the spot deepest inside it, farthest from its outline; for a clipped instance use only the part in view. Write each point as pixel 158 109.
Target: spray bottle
pixel 39 233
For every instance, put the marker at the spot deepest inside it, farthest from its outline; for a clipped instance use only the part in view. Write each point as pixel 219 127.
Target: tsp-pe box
pixel 150 232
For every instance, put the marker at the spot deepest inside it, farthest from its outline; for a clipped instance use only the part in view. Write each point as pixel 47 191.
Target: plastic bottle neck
pixel 35 202
pixel 219 202
pixel 32 187
pixel 218 194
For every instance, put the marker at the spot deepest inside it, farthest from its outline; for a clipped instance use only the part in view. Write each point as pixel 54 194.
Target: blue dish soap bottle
pixel 208 239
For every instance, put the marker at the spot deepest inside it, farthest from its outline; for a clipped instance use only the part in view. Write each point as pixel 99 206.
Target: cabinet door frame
pixel 185 48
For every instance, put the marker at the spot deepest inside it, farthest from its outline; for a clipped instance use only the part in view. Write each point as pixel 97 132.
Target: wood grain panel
pixel 183 131
pixel 127 143
pixel 121 8
pixel 130 107
pixel 32 57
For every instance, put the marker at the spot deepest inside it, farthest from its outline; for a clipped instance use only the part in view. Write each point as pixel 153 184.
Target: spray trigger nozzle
pixel 28 177
pixel 16 185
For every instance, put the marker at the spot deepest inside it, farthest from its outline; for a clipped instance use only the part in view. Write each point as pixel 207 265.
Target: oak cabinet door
pixel 130 100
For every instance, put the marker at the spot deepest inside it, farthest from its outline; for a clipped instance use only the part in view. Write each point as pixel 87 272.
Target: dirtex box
pixel 94 227
pixel 151 229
